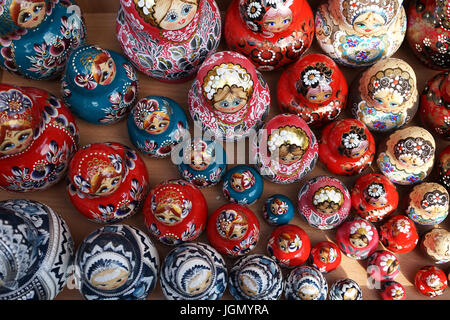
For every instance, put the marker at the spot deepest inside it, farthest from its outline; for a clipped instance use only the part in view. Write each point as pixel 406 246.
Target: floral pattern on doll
pixel 314 83
pixel 327 254
pixel 354 143
pixel 289 144
pixel 289 243
pixel 375 194
pixel 361 234
pixel 328 200
pixel 196 276
pixel 152 116
pixel 413 152
pixel 242 181
pixel 231 225
pixel 435 202
pixel 278 207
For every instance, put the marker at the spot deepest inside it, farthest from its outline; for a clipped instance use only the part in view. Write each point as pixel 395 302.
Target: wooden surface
pixel 100 18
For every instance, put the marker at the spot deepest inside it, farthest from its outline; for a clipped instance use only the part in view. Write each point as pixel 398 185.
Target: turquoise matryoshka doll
pixel 37 36
pixel 99 85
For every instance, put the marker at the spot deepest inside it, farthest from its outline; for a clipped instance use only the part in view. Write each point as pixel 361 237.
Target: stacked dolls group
pixel 176 41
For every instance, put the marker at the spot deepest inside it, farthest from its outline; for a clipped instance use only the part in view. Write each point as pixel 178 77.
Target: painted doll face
pixel 308 292
pixel 387 100
pixel 328 200
pixel 200 160
pixel 178 15
pixel 29 14
pixel 241 181
pixel 359 240
pixel 199 282
pixel 277 21
pixel 319 94
pixel 375 194
pixel 110 278
pixel 157 122
pixel 278 207
pixel 290 154
pixel 288 244
pixel 248 285
pixel 169 214
pixel 234 227
pixel 368 23
pixel 108 185
pixel 230 100
pixel 104 70
pixel 15 140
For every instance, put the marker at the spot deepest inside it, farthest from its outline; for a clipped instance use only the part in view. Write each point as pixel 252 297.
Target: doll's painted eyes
pixel 286 21
pixel 171 16
pixel 360 24
pixel 393 104
pixel 186 9
pixel 23 137
pixel 380 101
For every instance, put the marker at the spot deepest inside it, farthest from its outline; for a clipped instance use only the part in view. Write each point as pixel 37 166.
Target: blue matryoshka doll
pixel 243 185
pixel 278 210
pixel 99 85
pixel 204 162
pixel 156 125
pixel 37 36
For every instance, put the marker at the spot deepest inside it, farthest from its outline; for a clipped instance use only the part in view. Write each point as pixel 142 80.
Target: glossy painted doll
pixel 360 33
pixel 168 40
pixel 38 137
pixel 385 96
pixel 314 88
pixel 37 36
pixel 443 168
pixel 271 33
pixel 100 86
pixel 229 98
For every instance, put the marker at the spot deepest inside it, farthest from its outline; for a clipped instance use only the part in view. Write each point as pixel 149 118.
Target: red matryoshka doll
pixel 435 105
pixel 399 234
pixel 325 256
pixel 287 150
pixel 38 137
pixel 428 32
pixel 357 238
pixel 313 88
pixel 346 147
pixel 108 182
pixel 374 197
pixel 175 211
pixel 272 33
pixel 382 265
pixel 233 230
pixel 289 245
pixel 443 167
pixel 392 290
pixel 229 98
pixel 168 40
pixel 431 281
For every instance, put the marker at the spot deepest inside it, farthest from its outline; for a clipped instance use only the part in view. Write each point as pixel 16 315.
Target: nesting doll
pixel 168 40
pixel 99 86
pixel 108 182
pixel 399 234
pixel 428 32
pixel 431 281
pixel 436 243
pixel 229 98
pixel 306 283
pixel 385 96
pixel 357 238
pixel 242 184
pixel 443 167
pixel 427 203
pixel 37 36
pixel 345 289
pixel 271 33
pixel 360 33
pixel 287 150
pixel 38 137
pixel 313 88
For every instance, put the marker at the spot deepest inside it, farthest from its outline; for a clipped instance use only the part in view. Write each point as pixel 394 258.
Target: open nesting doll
pixel 287 150
pixel 37 36
pixel 360 33
pixel 38 137
pixel 313 88
pixel 385 96
pixel 407 156
pixel 36 251
pixel 428 32
pixel 435 103
pixel 100 86
pixel 229 98
pixel 108 182
pixel 168 40
pixel 271 33
pixel 443 167
pixel 346 147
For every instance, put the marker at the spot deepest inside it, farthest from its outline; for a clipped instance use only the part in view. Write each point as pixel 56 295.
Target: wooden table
pixel 100 18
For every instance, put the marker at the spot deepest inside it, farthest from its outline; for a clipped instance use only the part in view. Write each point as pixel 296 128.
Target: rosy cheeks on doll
pixel 230 104
pixel 277 23
pixel 319 96
pixel 108 72
pixel 368 23
pixel 157 123
pixel 200 162
pixel 179 15
pixel 387 100
pixel 168 215
pixel 31 14
pixel 108 186
pixel 16 141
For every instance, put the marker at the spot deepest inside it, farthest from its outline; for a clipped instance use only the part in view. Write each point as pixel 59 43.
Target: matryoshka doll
pixel 272 33
pixel 346 147
pixel 430 281
pixel 289 245
pixel 168 40
pixel 99 85
pixel 357 238
pixel 324 202
pixel 286 150
pixel 229 98
pixel 427 203
pixel 108 182
pixel 382 265
pixel 193 271
pixel 360 33
pixel 36 251
pixel 385 96
pixel 392 290
pixel 37 36
pixel 38 137
pixel 306 283
pixel 313 88
pixel 428 32
pixel 117 262
pixel 443 168
pixel 175 212
pixel 399 234
pixel 233 230
pixel 374 197
pixel 436 243
pixel 435 104
pixel 256 277
pixel 242 184
pixel 325 256
pixel 204 162
pixel 278 210
pixel 407 156
pixel 156 125
pixel 345 289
